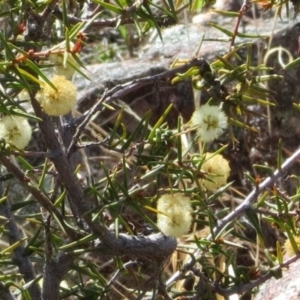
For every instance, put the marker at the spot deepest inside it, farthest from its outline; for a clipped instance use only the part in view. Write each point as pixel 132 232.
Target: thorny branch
pixel 268 182
pixel 37 194
pixel 251 198
pixel 240 289
pixel 122 90
pixel 156 246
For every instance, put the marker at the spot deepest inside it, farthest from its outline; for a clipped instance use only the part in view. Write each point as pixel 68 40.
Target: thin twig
pixel 274 213
pixel 112 22
pixel 114 277
pixel 242 11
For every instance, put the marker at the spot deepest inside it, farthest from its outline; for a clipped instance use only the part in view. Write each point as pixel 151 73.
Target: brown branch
pixel 240 289
pixel 19 257
pixel 155 246
pixel 54 272
pixel 242 11
pixel 268 182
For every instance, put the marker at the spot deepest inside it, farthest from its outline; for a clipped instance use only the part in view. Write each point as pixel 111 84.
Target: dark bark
pixel 54 272
pixel 19 254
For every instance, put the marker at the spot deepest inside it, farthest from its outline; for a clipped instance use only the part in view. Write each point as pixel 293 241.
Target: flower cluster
pixel 210 122
pixel 16 131
pixel 217 169
pixel 174 217
pixel 60 101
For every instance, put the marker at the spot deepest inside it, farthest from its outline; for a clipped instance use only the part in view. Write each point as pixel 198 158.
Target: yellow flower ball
pixel 217 169
pixel 58 102
pixel 175 217
pixel 16 131
pixel 289 251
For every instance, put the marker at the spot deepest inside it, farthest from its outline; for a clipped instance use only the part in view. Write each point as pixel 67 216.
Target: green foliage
pixel 89 227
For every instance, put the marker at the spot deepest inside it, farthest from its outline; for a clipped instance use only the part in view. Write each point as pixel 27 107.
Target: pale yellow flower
pixel 16 131
pixel 62 65
pixel 210 122
pixel 289 250
pixel 217 171
pixel 175 217
pixel 58 102
pixel 24 95
pixel 3 131
pixel 61 60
